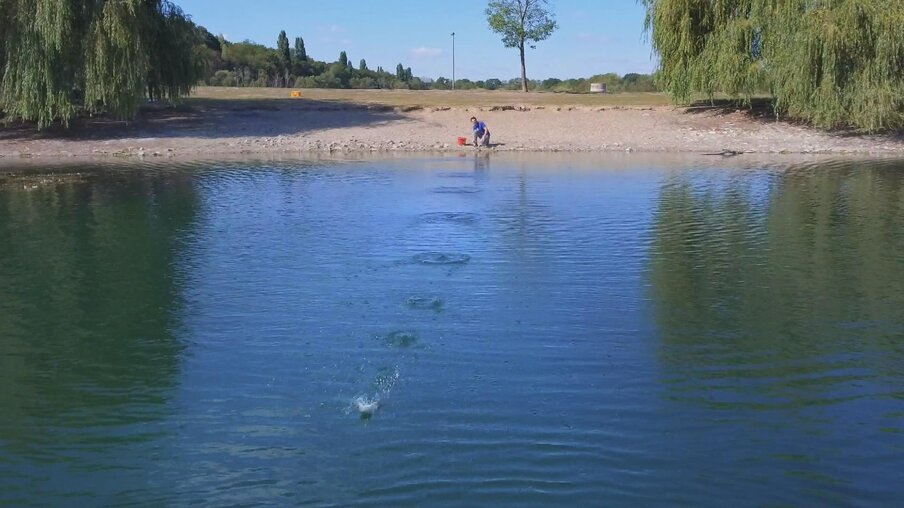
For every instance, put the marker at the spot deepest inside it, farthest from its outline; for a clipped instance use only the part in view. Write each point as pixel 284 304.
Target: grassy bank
pixel 433 98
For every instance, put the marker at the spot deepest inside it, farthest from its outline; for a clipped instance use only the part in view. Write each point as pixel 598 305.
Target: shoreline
pixel 209 128
pixel 597 160
pixel 34 173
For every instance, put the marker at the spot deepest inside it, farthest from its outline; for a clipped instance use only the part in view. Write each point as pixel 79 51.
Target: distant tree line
pixel 249 64
pixel 614 84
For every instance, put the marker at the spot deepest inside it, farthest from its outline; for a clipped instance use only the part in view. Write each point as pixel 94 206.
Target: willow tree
pixel 832 63
pixel 521 22
pixel 65 56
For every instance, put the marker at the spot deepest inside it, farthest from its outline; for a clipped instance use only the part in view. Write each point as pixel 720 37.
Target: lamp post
pixel 453 60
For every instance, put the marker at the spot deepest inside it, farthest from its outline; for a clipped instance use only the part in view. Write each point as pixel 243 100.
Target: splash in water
pixel 384 382
pixel 366 406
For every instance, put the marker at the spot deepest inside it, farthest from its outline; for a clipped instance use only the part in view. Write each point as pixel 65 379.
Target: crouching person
pixel 481 132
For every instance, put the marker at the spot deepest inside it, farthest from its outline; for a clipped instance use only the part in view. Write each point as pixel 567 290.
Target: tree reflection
pixel 779 278
pixel 90 300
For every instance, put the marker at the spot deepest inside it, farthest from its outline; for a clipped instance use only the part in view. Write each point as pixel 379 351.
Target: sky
pixel 594 36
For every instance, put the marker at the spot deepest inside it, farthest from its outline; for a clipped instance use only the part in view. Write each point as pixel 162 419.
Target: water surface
pixel 454 331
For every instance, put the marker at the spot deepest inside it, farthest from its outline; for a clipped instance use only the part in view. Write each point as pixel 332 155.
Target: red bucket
pixel 462 141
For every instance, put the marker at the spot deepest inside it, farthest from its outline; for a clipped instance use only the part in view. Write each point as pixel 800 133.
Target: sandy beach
pixel 208 126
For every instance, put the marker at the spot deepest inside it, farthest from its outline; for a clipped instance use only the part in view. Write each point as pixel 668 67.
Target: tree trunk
pixel 523 70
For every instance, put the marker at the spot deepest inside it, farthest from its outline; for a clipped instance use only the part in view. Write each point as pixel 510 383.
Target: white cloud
pixel 425 52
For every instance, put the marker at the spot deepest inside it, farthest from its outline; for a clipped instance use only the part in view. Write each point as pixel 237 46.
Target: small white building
pixel 597 88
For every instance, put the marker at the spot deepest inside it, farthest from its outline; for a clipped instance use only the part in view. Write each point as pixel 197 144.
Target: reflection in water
pixel 783 294
pixel 481 165
pixel 340 334
pixel 90 304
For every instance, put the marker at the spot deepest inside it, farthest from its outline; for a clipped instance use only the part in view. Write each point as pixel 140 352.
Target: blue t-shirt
pixel 479 128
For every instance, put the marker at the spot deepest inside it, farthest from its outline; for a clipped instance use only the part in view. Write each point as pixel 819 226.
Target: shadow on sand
pixel 762 109
pixel 218 118
pixel 759 108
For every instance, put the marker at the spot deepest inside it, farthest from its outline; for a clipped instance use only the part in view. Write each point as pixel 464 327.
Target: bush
pixel 222 78
pixel 492 84
pixel 229 80
pixel 442 83
pixel 306 82
pixel 364 83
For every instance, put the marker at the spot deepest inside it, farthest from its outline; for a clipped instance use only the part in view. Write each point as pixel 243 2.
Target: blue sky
pixel 594 36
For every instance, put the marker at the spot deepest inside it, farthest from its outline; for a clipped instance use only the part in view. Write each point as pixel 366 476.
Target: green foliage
pixel 300 53
pixel 363 82
pixel 521 22
pixel 442 83
pixel 492 84
pixel 403 74
pixel 223 78
pixel 282 47
pixel 253 64
pixel 633 82
pixel 61 57
pixel 343 59
pixel 285 56
pixel 337 75
pixel 306 82
pixel 363 65
pixel 178 58
pixel 832 63
pixel 210 40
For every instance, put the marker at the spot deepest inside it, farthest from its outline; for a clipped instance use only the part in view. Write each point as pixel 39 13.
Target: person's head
pixel 473 119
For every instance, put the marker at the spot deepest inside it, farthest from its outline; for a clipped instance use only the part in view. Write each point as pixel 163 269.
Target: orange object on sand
pixel 462 141
pixel 295 93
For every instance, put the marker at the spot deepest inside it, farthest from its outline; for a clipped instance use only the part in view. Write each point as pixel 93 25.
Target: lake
pixel 525 330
